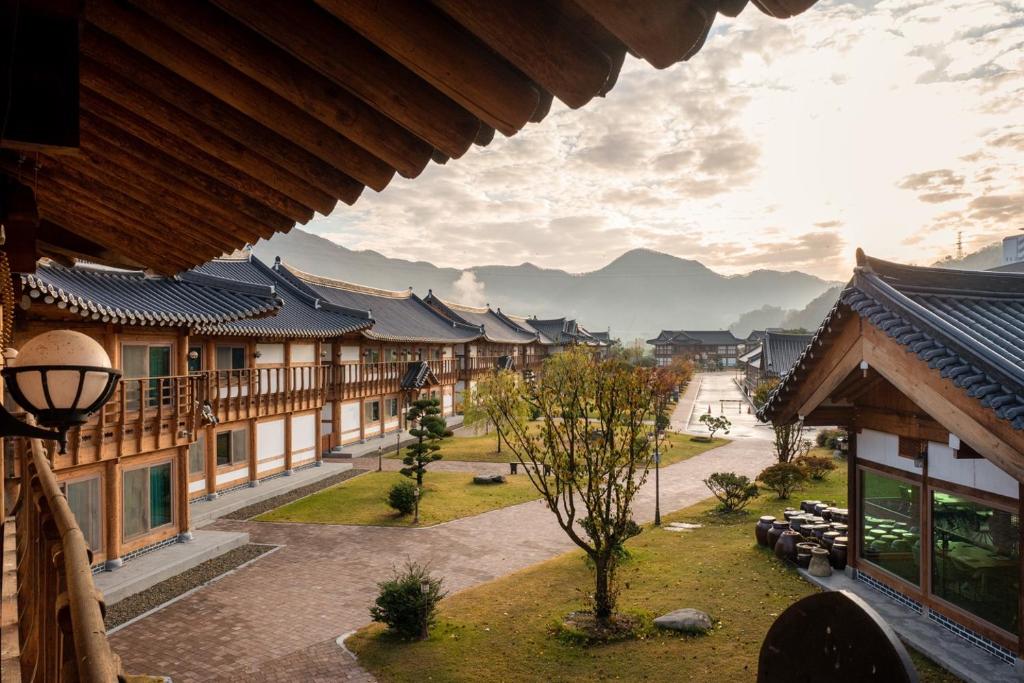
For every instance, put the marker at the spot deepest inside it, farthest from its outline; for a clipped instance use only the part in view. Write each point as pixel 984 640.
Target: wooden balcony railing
pixel 61 635
pixel 255 392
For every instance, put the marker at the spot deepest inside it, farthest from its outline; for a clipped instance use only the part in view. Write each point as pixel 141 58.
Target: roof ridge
pixel 343 284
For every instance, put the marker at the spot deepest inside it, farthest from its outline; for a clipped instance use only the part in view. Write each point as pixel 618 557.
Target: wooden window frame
pixel 64 483
pixel 232 464
pixel 174 499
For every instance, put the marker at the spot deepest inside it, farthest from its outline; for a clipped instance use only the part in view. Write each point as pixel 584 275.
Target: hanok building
pixel 772 358
pixel 559 334
pixel 925 367
pixel 711 349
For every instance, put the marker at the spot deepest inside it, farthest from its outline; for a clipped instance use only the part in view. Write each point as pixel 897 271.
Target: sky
pixel 786 145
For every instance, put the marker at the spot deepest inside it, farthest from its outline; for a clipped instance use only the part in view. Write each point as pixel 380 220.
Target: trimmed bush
pixel 827 438
pixel 732 490
pixel 782 478
pixel 402 497
pixel 407 601
pixel 816 467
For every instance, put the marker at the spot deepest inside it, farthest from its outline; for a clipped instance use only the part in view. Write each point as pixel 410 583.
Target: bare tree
pixel 592 441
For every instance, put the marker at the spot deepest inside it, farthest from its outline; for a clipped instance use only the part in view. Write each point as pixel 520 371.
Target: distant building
pixel 706 348
pixel 773 358
pixel 1013 249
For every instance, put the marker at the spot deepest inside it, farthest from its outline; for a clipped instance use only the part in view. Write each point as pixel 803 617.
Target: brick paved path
pixel 277 619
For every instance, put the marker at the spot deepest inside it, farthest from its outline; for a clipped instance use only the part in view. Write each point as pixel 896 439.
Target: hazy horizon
pixel 785 145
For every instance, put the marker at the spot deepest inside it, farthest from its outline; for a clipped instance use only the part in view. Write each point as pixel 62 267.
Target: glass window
pixel 890 519
pixel 230 357
pixel 232 447
pixel 84 500
pixel 373 411
pixel 392 407
pixel 139 361
pixel 148 498
pixel 197 455
pixel 976 559
pixel 372 355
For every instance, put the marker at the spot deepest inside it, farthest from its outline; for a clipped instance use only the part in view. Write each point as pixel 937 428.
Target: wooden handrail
pixel 60 612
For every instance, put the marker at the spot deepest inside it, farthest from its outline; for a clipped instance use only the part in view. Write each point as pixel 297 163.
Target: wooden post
pixel 319 451
pixel 211 463
pixel 852 504
pixel 114 509
pixel 288 444
pixel 251 436
pixel 184 512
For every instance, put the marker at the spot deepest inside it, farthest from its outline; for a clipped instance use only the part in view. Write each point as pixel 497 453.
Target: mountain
pixel 808 318
pixel 636 295
pixel 983 259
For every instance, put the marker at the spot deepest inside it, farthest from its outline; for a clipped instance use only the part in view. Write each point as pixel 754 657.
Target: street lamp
pixel 61 378
pixel 657 480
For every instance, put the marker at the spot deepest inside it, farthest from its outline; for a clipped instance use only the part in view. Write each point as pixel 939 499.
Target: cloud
pixel 468 290
pixel 889 125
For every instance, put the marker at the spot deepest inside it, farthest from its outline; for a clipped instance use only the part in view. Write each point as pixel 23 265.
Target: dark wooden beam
pixel 277 71
pixel 145 34
pixel 107 54
pixel 663 32
pixel 342 55
pixel 540 42
pixel 19 214
pixel 39 75
pixel 445 55
pixel 100 138
pixel 170 120
pixel 191 156
pixel 909 425
pixel 56 240
pixel 783 9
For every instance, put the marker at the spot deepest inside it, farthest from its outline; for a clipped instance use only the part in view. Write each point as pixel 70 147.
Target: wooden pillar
pixel 184 511
pixel 852 504
pixel 182 361
pixel 288 444
pixel 211 463
pixel 251 436
pixel 318 451
pixel 112 479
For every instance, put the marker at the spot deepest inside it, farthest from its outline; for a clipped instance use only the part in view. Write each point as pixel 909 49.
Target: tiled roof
pixel 781 350
pixel 135 298
pixel 967 325
pixel 705 337
pixel 559 330
pixel 525 325
pixel 303 314
pixel 494 327
pixel 418 375
pixel 397 316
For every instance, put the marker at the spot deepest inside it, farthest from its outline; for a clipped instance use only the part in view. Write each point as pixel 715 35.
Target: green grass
pixel 362 500
pixel 484 448
pixel 502 630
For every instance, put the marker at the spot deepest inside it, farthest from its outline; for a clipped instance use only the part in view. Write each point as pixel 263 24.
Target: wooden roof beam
pixel 168 208
pixel 190 155
pixel 106 54
pixel 170 120
pixel 445 55
pixel 57 241
pixel 99 136
pixel 540 41
pixel 342 55
pixel 195 64
pixel 663 32
pixel 328 102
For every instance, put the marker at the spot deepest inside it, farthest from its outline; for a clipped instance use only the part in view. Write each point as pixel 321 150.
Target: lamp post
pixel 60 377
pixel 657 480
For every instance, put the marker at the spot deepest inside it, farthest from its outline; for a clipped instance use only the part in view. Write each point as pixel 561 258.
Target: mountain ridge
pixel 636 294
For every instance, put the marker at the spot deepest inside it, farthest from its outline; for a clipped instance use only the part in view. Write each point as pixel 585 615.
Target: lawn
pixel 502 630
pixel 362 500
pixel 484 448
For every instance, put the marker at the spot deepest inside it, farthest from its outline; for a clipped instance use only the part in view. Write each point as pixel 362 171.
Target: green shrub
pixel 407 601
pixel 402 497
pixel 827 438
pixel 732 490
pixel 782 477
pixel 816 467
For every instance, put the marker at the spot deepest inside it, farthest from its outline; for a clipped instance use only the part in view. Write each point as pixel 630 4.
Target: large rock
pixel 687 620
pixel 488 479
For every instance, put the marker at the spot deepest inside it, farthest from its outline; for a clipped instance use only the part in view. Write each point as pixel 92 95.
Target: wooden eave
pixel 202 125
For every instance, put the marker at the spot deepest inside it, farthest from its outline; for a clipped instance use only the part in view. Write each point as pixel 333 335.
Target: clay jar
pixel 776 531
pixel 828 538
pixel 819 565
pixel 785 548
pixel 803 554
pixel 808 505
pixel 764 524
pixel 837 555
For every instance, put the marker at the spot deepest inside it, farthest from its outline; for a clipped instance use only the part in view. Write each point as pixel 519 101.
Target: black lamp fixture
pixel 61 378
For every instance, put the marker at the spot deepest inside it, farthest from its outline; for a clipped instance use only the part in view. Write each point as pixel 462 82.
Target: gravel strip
pixel 251 511
pixel 137 604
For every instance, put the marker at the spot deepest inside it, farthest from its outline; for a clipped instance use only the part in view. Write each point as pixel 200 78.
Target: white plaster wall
pixel 269 380
pixel 236 475
pixel 883 448
pixel 303 438
pixel 350 416
pixel 976 473
pixel 270 354
pixel 446 402
pixel 303 353
pixel 268 465
pixel 269 439
pixel 349 354
pixel 197 486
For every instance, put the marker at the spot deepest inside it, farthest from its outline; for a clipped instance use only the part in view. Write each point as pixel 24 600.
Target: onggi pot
pixel 819 565
pixel 764 524
pixel 785 548
pixel 837 556
pixel 776 531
